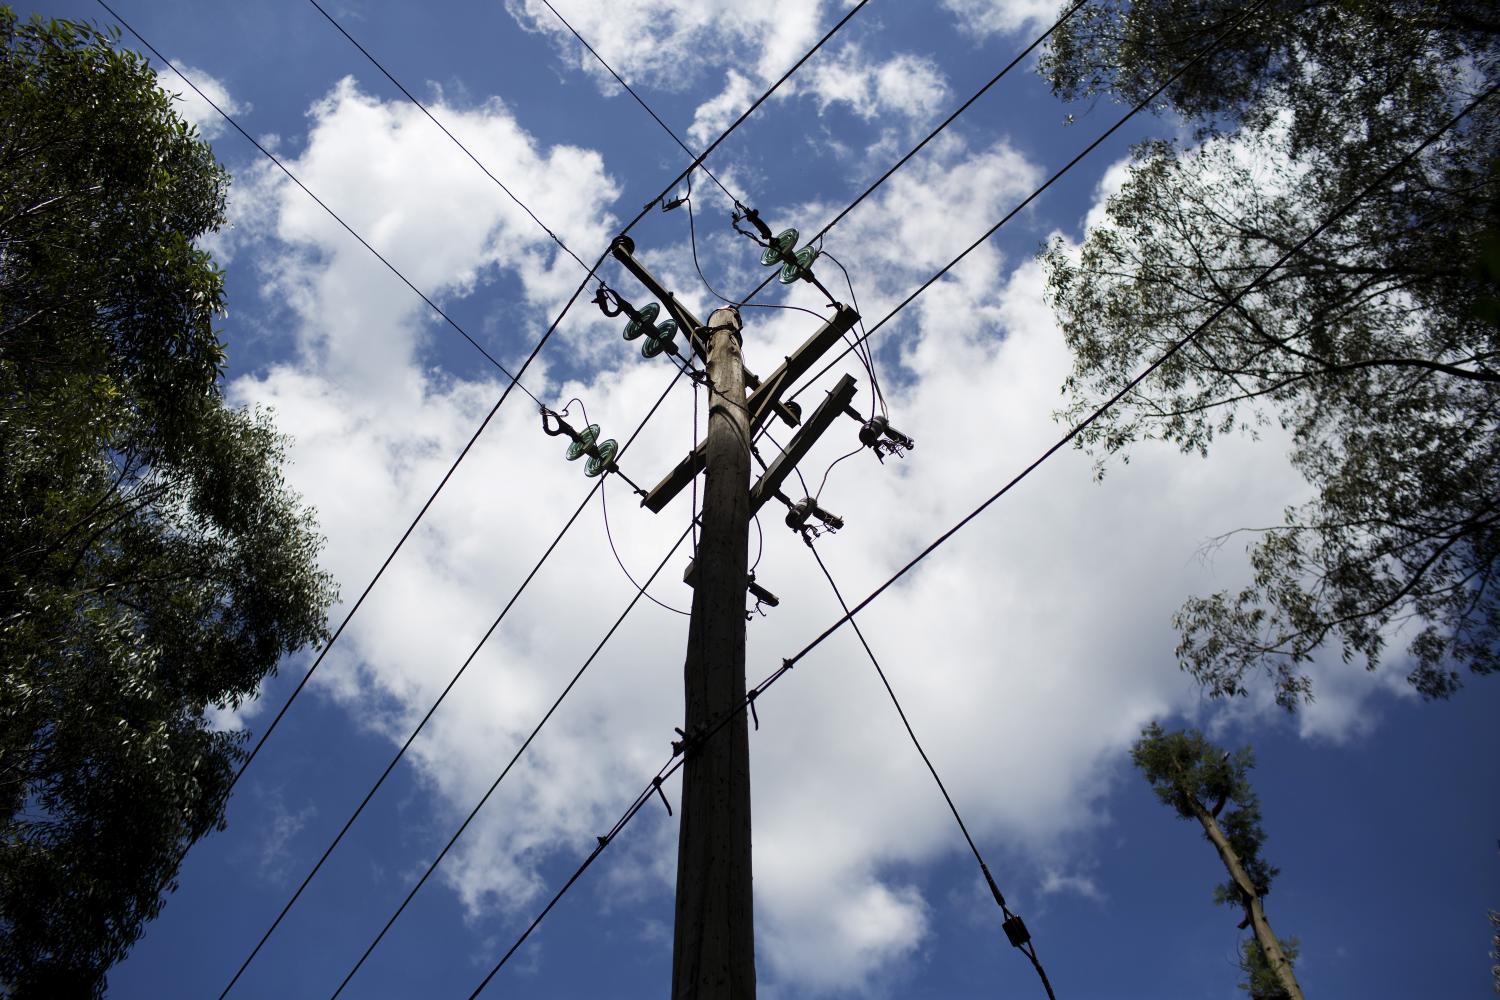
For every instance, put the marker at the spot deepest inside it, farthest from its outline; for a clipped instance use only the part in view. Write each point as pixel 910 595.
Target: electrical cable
pixel 507 769
pixel 698 161
pixel 411 97
pixel 401 752
pixel 1146 372
pixel 1029 950
pixel 933 134
pixel 639 100
pixel 787 664
pixel 324 205
pixel 877 395
pixel 819 495
pixel 604 507
pixel 1136 109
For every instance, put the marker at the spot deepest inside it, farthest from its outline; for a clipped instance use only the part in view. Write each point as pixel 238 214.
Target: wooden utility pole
pixel 713 948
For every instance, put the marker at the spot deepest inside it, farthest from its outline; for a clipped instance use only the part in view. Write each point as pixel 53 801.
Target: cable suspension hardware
pixel 660 338
pixel 586 442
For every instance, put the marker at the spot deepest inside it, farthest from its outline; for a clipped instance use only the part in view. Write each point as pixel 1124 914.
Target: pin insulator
pixel 781 248
pixel 602 459
pixel 583 442
pixel 644 321
pixel 801 267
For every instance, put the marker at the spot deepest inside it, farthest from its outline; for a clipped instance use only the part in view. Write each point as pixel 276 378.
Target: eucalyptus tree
pixel 1376 349
pixel 1198 780
pixel 153 564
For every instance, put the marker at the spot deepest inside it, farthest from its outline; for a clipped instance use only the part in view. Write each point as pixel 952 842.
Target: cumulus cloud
pixel 195 107
pixel 904 85
pixel 983 18
pixel 1028 652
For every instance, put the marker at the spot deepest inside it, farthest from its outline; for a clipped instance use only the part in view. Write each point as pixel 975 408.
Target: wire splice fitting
pixel 1016 932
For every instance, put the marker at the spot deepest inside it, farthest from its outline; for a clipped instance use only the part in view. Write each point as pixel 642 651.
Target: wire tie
pixel 751 697
pixel 656 783
pixel 788 664
pixel 603 843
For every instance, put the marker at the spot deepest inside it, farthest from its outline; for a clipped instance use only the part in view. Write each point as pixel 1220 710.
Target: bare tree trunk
pixel 1257 912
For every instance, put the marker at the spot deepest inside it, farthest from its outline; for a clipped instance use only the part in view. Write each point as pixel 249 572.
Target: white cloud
pixel 982 18
pixel 672 43
pixel 195 107
pixel 1028 651
pixel 906 85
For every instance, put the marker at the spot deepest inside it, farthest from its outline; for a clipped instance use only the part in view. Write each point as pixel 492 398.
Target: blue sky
pixel 1028 652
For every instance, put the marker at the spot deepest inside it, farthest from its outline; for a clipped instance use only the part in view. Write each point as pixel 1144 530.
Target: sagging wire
pixel 877 394
pixel 609 534
pixel 819 495
pixel 694 509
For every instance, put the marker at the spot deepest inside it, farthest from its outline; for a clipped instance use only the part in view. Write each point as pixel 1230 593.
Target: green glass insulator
pixel 608 449
pixel 658 342
pixel 585 441
pixel 784 243
pixel 635 328
pixel 805 258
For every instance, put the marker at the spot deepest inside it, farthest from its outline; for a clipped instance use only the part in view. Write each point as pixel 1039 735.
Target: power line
pixel 411 97
pixel 640 591
pixel 639 100
pixel 1136 380
pixel 324 205
pixel 788 664
pixel 422 724
pixel 1139 106
pixel 931 135
pixel 514 379
pixel 1026 948
pixel 609 535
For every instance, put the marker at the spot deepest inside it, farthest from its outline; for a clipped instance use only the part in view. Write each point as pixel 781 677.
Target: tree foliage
pixel 1261 981
pixel 1195 778
pixel 1376 349
pixel 153 565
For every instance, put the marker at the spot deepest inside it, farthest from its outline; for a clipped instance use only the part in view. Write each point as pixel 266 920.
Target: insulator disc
pixel 805 258
pixel 635 328
pixel 784 243
pixel 608 449
pixel 658 342
pixel 579 448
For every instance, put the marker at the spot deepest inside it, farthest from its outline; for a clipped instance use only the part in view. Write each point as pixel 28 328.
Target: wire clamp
pixel 689 742
pixel 656 783
pixel 1016 932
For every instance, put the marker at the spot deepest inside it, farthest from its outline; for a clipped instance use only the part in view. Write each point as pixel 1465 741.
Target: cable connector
pixel 806 510
pixel 1016 932
pixel 878 435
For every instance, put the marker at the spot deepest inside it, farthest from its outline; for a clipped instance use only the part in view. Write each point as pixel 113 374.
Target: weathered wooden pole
pixel 713 947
